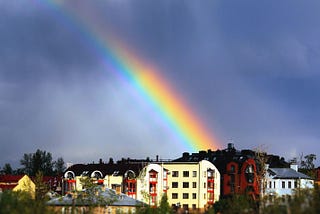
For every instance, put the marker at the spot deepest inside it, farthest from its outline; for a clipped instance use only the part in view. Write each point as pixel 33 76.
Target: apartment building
pixel 192 185
pixel 188 185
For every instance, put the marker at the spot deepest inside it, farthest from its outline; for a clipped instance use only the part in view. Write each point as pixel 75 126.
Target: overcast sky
pixel 249 69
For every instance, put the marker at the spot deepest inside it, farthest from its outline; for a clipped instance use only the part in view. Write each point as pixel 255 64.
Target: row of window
pixel 211 173
pixel 289 185
pixel 184 185
pixel 185 206
pixel 193 195
pixel 184 195
pixel 184 173
pixel 211 185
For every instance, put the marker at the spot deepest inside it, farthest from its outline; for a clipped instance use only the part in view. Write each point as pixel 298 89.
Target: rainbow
pixel 141 76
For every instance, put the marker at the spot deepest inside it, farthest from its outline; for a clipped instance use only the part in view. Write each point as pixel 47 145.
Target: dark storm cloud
pixel 250 69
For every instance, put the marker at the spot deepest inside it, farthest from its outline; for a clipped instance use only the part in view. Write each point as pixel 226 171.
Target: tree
pixel 164 207
pixel 26 161
pixel 38 161
pixel 236 204
pixel 261 160
pixel 7 169
pixel 307 166
pixel 307 163
pixel 41 187
pixel 22 202
pixel 59 166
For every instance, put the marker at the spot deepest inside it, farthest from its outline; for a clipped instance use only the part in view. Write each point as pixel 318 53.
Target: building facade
pixel 188 185
pixel 192 185
pixel 238 169
pixel 284 182
pixel 17 183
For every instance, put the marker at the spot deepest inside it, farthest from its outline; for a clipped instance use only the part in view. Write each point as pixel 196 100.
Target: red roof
pixel 10 178
pixel 7 186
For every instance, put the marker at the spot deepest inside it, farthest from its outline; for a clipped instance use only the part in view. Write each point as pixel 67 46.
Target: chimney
pixel 294 166
pixel 185 155
pixel 230 146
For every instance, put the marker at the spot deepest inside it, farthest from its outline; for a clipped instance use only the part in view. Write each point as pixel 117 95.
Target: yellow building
pixel 18 183
pixel 188 185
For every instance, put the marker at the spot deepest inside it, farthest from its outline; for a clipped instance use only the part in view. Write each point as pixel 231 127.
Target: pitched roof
pixel 108 195
pixel 287 173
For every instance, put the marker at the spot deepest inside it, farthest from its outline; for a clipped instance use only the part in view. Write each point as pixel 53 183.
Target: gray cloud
pixel 249 69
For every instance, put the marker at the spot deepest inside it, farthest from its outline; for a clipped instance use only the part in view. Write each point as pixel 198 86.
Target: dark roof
pixel 106 169
pixel 220 158
pixel 286 173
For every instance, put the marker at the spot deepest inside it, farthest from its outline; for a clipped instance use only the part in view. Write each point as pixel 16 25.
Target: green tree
pixel 41 187
pixel 164 207
pixel 307 165
pixel 59 166
pixel 236 204
pixel 26 161
pixel 92 196
pixel 38 161
pixel 7 169
pixel 12 202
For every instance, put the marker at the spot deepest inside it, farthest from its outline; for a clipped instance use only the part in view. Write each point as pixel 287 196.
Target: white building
pixel 282 182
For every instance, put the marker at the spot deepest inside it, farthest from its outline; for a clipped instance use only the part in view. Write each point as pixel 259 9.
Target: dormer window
pixel 249 169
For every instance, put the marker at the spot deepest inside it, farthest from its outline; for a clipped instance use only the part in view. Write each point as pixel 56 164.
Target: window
pixel 274 185
pixel 194 173
pixel 249 169
pixel 185 184
pixel 185 206
pixel 210 173
pixel 232 169
pixel 210 185
pixel 232 179
pixel 185 173
pixel 194 195
pixel 194 184
pixel 174 184
pixel 295 184
pixel 283 184
pixel 185 195
pixel 204 185
pixel 270 184
pixel 175 174
pixel 153 188
pixel 210 196
pixel 249 173
pixel 174 195
pixel 289 184
pixel 204 196
pixel 194 206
